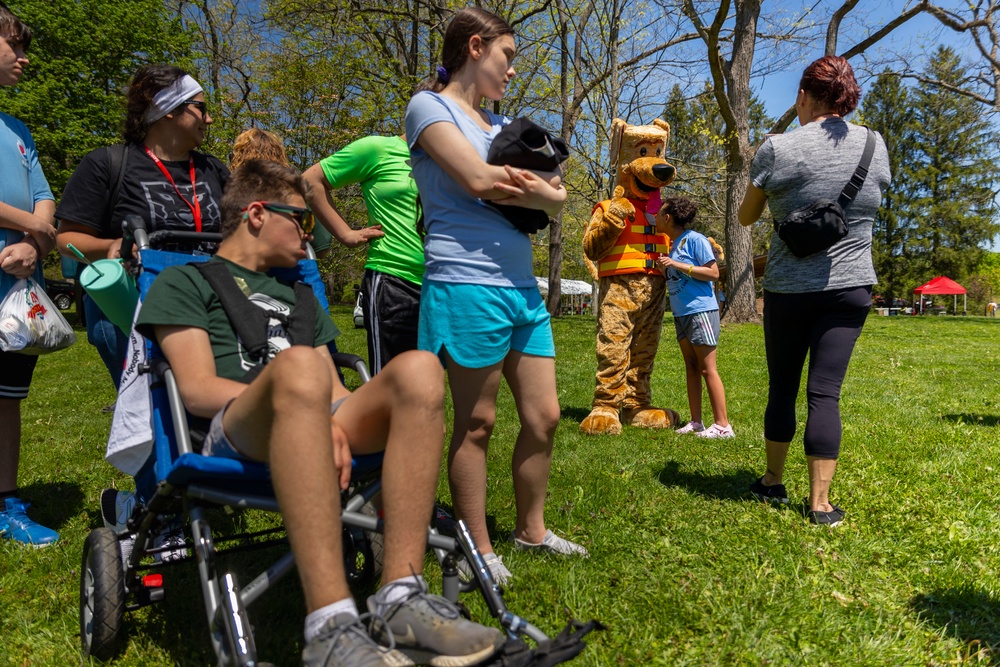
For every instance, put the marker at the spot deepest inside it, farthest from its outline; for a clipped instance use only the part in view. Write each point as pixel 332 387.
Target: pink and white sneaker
pixel 691 427
pixel 716 431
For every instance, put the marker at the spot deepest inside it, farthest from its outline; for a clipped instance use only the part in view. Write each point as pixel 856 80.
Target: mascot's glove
pixel 620 210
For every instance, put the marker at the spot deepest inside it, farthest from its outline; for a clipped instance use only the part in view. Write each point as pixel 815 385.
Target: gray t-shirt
pixel 815 162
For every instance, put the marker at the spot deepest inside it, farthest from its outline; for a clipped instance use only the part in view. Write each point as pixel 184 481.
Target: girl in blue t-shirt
pixel 690 269
pixel 480 308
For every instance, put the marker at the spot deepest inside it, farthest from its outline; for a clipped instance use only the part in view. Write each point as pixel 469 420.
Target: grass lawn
pixel 684 568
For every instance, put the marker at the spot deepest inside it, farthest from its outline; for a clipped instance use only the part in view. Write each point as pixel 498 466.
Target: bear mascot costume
pixel 621 244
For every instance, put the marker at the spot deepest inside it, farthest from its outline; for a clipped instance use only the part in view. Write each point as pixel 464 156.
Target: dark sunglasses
pixel 302 216
pixel 199 105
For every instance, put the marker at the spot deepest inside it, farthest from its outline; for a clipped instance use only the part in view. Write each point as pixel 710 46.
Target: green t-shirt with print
pixel 382 166
pixel 180 296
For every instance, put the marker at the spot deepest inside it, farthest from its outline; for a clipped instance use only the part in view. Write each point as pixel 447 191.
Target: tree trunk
pixel 741 296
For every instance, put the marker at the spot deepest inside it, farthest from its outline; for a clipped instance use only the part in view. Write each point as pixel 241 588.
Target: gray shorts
pixel 217 444
pixel 698 328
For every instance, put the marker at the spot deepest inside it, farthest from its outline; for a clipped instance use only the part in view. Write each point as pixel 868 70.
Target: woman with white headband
pixel 162 178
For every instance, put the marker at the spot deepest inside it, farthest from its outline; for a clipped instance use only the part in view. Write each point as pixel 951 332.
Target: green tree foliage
pixel 698 150
pixel 955 174
pixel 82 56
pixel 897 266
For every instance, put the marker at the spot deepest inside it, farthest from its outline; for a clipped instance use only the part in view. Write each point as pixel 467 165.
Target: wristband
pixel 691 271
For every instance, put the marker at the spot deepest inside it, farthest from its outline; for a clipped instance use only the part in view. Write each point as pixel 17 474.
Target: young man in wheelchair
pixel 297 416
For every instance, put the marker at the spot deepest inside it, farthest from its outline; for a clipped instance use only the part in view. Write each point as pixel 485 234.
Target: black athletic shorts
pixel 15 374
pixel 392 316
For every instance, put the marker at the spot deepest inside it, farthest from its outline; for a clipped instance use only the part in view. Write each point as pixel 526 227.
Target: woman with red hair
pixel 814 305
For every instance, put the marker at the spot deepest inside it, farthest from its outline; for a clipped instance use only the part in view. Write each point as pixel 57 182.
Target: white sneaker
pixel 691 427
pixel 498 570
pixel 716 431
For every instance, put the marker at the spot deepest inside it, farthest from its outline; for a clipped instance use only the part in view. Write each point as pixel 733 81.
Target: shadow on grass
pixel 968 614
pixel 180 627
pixel 576 414
pixel 52 503
pixel 976 420
pixel 724 487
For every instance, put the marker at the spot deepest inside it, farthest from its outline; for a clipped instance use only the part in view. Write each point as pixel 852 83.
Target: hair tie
pixel 442 73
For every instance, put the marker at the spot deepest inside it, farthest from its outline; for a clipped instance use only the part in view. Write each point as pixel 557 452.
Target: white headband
pixel 171 97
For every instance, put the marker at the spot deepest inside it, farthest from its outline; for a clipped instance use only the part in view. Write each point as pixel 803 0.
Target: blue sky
pixel 918 36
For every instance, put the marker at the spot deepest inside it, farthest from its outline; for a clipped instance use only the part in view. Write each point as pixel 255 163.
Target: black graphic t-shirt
pixel 145 192
pixel 180 296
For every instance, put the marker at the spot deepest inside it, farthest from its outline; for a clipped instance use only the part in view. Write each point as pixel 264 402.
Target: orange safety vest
pixel 637 246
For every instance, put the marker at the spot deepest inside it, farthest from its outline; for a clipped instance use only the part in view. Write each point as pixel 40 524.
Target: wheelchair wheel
pixel 363 553
pixel 102 595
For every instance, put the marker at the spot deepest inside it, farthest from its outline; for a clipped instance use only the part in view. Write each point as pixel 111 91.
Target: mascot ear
pixel 665 126
pixel 617 133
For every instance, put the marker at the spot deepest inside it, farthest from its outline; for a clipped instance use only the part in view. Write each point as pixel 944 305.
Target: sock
pixel 394 591
pixel 317 619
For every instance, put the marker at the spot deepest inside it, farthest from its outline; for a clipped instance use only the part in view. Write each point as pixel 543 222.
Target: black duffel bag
pixel 524 145
pixel 813 228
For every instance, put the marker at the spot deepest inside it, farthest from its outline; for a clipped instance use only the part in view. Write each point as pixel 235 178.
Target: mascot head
pixel 637 156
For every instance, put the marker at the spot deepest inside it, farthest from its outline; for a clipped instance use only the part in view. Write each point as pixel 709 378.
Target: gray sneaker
pixel 429 630
pixel 343 642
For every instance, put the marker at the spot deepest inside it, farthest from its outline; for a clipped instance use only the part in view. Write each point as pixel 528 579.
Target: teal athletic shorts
pixel 478 324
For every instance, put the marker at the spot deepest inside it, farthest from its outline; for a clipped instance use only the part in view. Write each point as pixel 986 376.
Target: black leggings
pixel 825 325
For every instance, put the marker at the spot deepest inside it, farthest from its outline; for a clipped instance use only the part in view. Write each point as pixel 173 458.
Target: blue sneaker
pixel 23 529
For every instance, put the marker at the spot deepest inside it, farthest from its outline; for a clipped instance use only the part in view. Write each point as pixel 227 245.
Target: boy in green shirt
pixel 298 417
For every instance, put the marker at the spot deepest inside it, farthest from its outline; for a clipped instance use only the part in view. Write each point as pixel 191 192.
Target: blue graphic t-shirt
pixel 689 295
pixel 22 183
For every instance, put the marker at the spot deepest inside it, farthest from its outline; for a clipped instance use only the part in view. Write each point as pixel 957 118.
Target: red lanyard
pixel 196 206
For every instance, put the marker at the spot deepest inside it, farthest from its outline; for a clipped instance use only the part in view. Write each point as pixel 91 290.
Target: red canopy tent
pixel 942 285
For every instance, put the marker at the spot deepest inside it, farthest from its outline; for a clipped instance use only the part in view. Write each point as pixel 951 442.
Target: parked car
pixel 61 292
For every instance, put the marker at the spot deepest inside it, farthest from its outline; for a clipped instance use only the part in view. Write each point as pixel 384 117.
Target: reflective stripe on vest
pixel 636 249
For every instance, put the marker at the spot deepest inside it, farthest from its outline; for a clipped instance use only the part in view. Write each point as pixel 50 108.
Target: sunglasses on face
pixel 302 216
pixel 197 104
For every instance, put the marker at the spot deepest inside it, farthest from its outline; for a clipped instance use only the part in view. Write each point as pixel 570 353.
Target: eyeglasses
pixel 197 104
pixel 302 216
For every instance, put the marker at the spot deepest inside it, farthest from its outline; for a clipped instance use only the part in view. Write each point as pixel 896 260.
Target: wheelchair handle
pixel 133 232
pixel 164 236
pixel 353 361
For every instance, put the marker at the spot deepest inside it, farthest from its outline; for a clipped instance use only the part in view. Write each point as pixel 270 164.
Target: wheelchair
pixel 188 485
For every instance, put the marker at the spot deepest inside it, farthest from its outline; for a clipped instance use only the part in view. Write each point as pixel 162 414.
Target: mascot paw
pixel 601 421
pixel 651 417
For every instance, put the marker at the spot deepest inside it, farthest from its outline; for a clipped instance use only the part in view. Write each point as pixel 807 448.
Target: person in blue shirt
pixel 690 269
pixel 480 308
pixel 27 235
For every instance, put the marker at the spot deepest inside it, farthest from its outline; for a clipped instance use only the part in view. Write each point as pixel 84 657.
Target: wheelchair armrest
pixel 354 362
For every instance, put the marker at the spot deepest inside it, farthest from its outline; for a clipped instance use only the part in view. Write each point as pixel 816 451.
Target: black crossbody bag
pixel 810 229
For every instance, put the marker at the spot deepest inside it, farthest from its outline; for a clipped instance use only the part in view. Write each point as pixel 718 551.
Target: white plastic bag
pixel 30 323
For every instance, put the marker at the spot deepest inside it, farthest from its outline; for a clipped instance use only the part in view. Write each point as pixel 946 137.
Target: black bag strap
pixel 117 157
pixel 853 186
pixel 301 324
pixel 250 323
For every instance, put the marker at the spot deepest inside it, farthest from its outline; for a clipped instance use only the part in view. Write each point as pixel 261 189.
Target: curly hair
pixel 147 82
pixel 830 80
pixel 681 209
pixel 257 143
pixel 466 23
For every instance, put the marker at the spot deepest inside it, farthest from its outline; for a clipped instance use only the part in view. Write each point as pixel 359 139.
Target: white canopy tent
pixel 576 294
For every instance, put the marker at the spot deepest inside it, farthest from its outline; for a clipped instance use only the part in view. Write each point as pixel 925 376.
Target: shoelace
pixel 357 628
pixel 437 603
